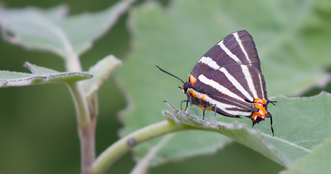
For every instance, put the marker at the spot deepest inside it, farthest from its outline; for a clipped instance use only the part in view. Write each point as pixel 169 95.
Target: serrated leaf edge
pixel 44 78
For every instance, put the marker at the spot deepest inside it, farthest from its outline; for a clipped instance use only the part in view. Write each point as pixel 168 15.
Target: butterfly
pixel 228 80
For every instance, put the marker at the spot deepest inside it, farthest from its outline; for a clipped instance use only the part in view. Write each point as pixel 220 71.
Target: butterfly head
pixel 185 87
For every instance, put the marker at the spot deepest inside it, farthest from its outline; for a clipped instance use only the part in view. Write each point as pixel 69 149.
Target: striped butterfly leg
pixel 212 106
pixel 181 104
pixel 274 103
pixel 272 129
pixel 187 101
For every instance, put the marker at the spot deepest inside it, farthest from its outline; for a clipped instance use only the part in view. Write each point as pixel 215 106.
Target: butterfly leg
pixel 272 129
pixel 190 100
pixel 272 102
pixel 181 103
pixel 212 106
pixel 187 101
pixel 215 113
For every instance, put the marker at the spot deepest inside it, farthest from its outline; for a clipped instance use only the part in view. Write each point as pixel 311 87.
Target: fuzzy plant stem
pixel 112 153
pixel 86 123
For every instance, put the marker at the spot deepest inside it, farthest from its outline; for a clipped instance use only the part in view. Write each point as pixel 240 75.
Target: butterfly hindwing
pixel 232 85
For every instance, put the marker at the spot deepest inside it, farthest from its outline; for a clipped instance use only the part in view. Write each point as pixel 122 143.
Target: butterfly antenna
pixel 169 73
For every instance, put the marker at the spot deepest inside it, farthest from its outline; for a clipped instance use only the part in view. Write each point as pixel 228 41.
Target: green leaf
pixel 292 44
pixel 296 129
pixel 100 72
pixel 40 75
pixel 316 162
pixel 52 30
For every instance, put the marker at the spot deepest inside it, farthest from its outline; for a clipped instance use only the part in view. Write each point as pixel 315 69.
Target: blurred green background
pixel 38 128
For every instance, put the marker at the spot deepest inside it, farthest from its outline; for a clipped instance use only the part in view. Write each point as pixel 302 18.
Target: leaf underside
pixel 296 131
pixel 100 71
pixel 317 162
pixel 39 75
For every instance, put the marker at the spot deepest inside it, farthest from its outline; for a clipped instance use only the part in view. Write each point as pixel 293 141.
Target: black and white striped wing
pixel 236 48
pixel 230 74
pixel 231 87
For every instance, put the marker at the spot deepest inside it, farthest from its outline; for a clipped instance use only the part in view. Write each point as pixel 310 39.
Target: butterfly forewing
pixel 236 48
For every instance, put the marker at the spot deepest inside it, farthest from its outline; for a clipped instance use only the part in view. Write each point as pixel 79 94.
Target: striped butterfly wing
pixel 230 74
pixel 236 48
pixel 231 87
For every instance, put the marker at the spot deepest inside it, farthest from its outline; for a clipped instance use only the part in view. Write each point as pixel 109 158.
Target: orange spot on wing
pixel 262 112
pixel 210 109
pixel 203 98
pixel 201 106
pixel 192 80
pixel 192 92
